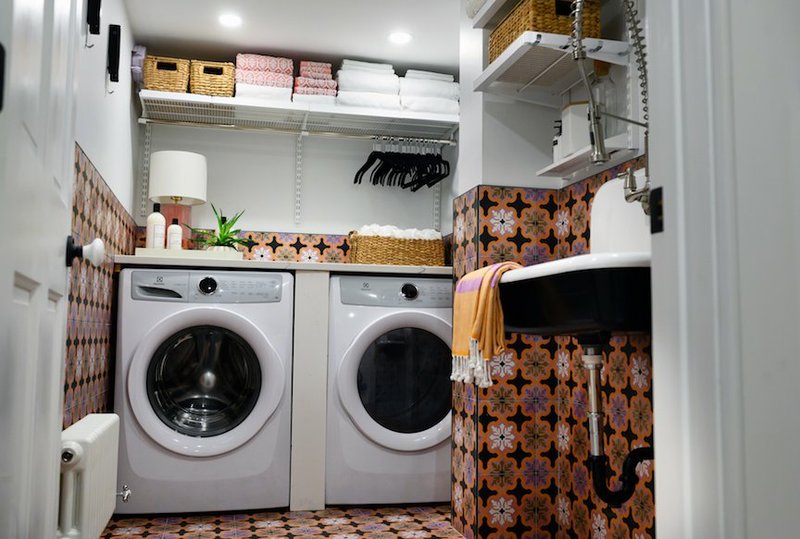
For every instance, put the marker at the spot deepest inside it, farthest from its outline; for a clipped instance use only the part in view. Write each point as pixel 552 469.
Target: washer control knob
pixel 207 285
pixel 409 291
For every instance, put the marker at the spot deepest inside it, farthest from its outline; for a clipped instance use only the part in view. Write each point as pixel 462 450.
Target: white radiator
pixel 88 476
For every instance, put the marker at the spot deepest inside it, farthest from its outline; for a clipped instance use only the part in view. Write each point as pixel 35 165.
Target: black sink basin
pixel 587 296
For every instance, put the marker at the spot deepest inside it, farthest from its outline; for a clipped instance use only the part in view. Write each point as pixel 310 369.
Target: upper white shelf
pixel 492 13
pixel 577 166
pixel 538 67
pixel 237 112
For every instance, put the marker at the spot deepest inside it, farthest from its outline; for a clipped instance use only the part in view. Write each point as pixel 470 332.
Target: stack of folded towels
pixel 315 84
pixel 425 91
pixel 364 84
pixel 264 77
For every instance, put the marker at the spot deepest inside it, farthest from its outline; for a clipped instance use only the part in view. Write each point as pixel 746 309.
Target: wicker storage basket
pixel 382 250
pixel 166 74
pixel 212 78
pixel 549 16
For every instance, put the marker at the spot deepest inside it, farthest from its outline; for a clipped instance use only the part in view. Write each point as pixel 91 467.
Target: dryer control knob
pixel 409 291
pixel 207 285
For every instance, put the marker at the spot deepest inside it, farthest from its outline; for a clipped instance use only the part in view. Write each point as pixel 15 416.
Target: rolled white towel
pixel 256 91
pixel 314 99
pixel 366 65
pixel 429 88
pixel 428 75
pixel 368 100
pixel 429 104
pixel 390 231
pixel 362 81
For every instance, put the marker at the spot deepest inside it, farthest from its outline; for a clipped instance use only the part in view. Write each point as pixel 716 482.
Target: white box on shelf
pixel 186 253
pixel 575 128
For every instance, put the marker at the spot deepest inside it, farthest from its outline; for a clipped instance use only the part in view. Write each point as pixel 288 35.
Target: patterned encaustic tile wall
pixel 96 213
pixel 520 447
pixel 286 246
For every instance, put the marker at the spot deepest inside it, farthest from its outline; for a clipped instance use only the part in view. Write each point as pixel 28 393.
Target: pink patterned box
pixel 305 82
pixel 258 62
pixel 311 74
pixel 301 90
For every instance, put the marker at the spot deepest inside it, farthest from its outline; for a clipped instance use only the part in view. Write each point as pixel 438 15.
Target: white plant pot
pixel 221 251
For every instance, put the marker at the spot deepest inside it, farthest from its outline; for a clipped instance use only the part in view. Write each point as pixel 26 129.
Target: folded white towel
pixel 255 91
pixel 429 88
pixel 428 75
pixel 367 65
pixel 429 104
pixel 314 99
pixel 362 81
pixel 369 100
pixel 377 71
pixel 390 231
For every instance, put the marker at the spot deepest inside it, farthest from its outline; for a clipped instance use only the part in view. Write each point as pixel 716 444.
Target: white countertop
pixel 129 260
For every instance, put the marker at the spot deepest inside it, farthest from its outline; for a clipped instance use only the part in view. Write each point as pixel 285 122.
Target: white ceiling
pixel 303 29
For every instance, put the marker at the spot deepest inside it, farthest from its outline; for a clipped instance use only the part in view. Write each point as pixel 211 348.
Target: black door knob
pixel 409 291
pixel 207 285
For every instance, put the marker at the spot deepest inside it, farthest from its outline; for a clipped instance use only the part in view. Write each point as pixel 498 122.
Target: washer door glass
pixel 404 380
pixel 203 381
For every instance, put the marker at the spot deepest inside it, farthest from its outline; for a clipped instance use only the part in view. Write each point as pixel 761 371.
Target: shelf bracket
pixel 298 179
pixel 144 171
pixel 437 205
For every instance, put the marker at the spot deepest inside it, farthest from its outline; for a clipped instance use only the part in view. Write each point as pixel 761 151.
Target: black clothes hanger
pixel 405 164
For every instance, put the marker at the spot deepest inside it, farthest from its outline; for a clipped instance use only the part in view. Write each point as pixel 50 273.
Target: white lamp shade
pixel 178 177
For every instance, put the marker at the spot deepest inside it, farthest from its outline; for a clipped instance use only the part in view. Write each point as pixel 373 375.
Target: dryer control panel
pixel 396 292
pixel 206 287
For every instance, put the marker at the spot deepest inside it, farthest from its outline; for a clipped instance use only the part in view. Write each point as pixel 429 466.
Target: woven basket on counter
pixel 166 74
pixel 383 250
pixel 212 78
pixel 548 16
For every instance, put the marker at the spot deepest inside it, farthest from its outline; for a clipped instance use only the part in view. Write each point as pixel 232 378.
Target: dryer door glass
pixel 404 380
pixel 203 381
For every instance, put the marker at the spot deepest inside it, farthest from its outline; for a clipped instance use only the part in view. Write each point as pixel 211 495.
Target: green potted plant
pixel 224 239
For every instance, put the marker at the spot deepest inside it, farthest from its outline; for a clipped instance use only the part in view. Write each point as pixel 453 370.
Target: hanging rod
pixel 286 131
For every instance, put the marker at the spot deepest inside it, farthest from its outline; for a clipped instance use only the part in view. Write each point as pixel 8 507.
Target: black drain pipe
pixel 598 461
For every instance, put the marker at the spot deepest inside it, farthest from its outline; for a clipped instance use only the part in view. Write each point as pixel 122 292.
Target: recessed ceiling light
pixel 400 38
pixel 230 20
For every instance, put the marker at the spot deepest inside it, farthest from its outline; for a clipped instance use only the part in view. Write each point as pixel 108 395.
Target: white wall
pixel 502 141
pixel 104 128
pixel 766 138
pixel 517 141
pixel 255 172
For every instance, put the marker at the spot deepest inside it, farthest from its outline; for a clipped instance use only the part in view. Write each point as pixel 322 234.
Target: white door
pixel 39 38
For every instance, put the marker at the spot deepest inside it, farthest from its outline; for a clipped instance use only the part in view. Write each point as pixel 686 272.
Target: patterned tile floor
pixel 338 523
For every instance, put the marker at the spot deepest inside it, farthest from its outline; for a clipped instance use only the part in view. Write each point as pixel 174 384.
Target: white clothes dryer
pixel 202 389
pixel 389 390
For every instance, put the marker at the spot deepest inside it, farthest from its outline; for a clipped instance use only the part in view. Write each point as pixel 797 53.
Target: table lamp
pixel 178 181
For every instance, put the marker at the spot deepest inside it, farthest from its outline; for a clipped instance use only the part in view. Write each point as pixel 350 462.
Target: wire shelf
pixel 233 112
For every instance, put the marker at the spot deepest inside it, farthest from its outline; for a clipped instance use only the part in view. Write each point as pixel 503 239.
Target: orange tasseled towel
pixel 478 333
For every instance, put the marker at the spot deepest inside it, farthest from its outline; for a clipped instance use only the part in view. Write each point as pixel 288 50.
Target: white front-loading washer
pixel 389 390
pixel 203 389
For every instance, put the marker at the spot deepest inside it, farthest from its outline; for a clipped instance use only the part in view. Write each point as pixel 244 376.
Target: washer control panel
pixel 206 287
pixel 396 291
